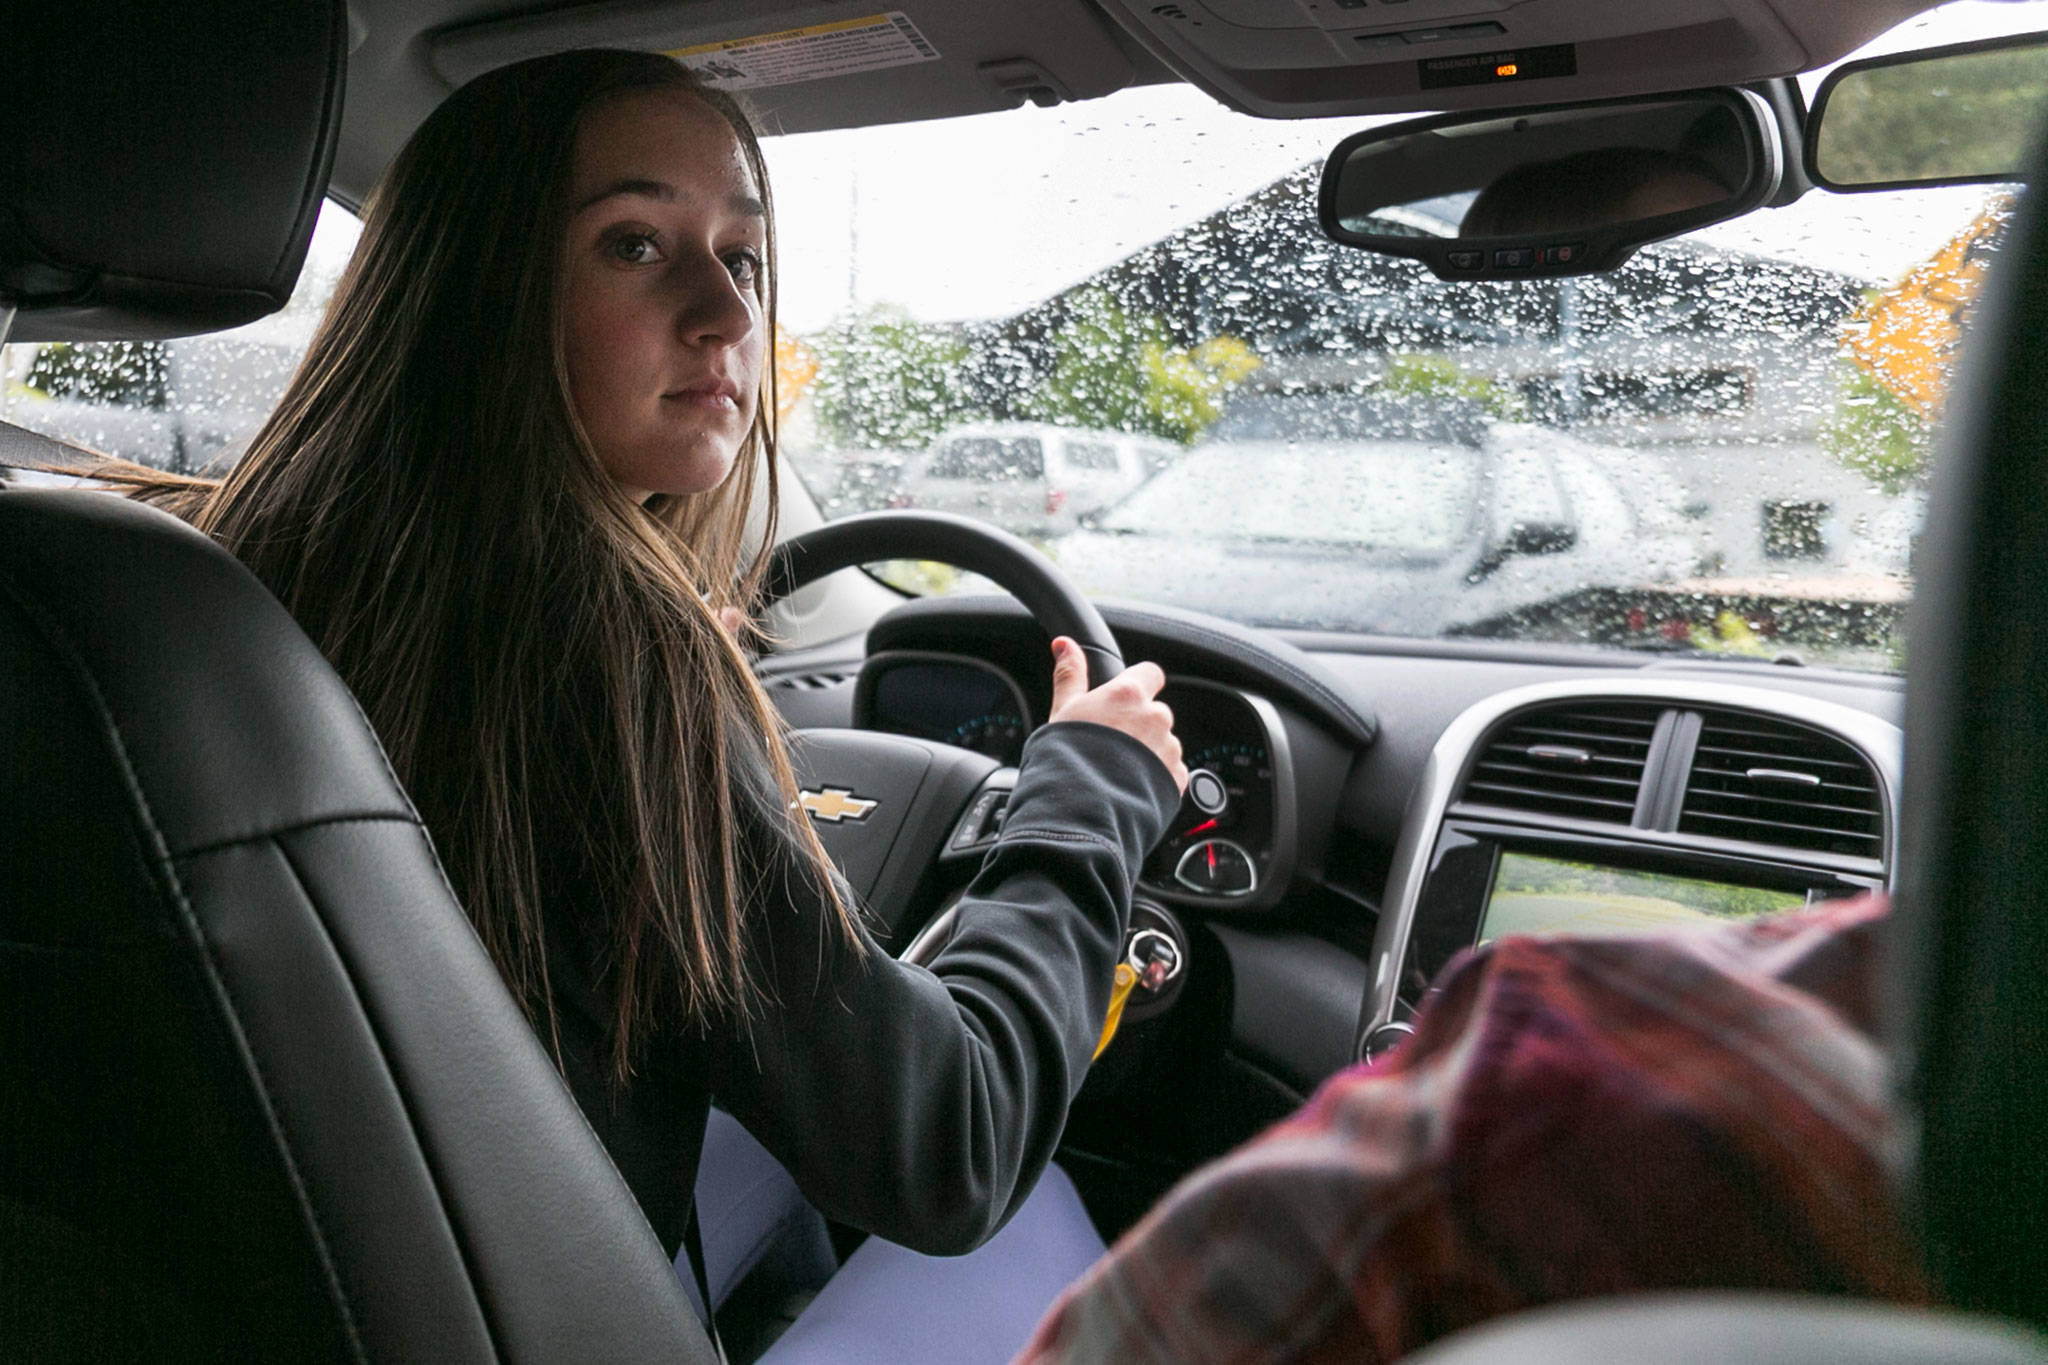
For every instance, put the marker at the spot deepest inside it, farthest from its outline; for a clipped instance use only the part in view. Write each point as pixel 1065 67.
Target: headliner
pixel 409 54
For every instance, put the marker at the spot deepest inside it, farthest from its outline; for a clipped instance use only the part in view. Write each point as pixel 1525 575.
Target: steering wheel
pixel 888 806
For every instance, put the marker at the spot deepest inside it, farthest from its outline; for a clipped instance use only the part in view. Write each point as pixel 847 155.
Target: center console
pixel 1639 806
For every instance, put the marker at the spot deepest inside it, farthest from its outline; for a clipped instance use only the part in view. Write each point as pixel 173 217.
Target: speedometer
pixel 999 734
pixel 956 700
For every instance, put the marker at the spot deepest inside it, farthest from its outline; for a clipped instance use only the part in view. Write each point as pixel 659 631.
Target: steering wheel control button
pixel 983 821
pixel 1207 791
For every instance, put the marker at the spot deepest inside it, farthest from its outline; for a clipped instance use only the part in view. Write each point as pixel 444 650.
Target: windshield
pixel 1723 445
pixel 987 458
pixel 1411 499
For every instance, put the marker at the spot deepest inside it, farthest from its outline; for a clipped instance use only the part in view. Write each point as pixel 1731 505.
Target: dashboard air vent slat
pixel 810 682
pixel 1776 782
pixel 1584 761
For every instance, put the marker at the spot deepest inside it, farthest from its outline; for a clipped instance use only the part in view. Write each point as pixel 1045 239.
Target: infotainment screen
pixel 1550 896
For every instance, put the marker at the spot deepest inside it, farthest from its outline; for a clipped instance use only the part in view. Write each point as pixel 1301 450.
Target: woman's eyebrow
pixel 647 189
pixel 745 205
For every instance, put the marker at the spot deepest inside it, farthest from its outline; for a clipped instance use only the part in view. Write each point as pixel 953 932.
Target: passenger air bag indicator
pixel 1490 68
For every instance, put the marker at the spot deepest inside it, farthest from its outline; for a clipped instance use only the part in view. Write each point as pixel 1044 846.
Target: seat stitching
pixel 602 1152
pixel 298 826
pixel 165 872
pixel 383 758
pixel 463 1248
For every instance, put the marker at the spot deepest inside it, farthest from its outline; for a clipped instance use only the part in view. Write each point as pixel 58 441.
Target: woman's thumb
pixel 1069 674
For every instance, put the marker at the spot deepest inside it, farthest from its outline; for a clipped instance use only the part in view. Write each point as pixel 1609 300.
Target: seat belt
pixel 693 1248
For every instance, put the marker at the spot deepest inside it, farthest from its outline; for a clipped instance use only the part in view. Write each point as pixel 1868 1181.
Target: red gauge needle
pixel 1205 825
pixel 1211 850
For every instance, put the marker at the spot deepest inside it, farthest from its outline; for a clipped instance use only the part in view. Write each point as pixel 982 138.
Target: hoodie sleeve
pixel 922 1105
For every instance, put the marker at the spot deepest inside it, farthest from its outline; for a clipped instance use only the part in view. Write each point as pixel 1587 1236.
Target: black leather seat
pixel 262 1094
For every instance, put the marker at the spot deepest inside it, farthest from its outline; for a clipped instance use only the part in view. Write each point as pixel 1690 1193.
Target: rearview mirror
pixel 1960 115
pixel 1560 190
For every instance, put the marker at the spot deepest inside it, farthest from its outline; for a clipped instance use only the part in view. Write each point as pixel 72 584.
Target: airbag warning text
pixel 1489 68
pixel 809 54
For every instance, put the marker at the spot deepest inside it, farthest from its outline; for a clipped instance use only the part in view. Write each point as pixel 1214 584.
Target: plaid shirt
pixel 1573 1117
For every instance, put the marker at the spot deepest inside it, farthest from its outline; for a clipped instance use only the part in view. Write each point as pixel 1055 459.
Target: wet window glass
pixel 1721 448
pixel 1095 455
pixel 189 405
pixel 988 457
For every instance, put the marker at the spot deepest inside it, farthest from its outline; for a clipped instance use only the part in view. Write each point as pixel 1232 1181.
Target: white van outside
pixel 1032 478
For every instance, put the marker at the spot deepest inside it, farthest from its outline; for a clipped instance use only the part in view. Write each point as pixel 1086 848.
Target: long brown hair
pixel 538 653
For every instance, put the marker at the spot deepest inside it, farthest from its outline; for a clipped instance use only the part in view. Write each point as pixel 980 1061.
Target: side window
pixel 988 457
pixel 1092 455
pixel 964 457
pixel 190 404
pixel 1599 504
pixel 1154 456
pixel 1525 492
pixel 1795 528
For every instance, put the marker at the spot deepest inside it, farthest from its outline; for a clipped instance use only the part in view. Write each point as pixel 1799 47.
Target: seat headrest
pixel 1973 856
pixel 164 161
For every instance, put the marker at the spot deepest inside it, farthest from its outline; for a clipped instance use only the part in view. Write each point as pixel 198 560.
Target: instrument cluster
pixel 1231 843
pixel 1221 845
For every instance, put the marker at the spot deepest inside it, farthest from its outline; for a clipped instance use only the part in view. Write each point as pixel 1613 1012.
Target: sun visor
pixel 163 162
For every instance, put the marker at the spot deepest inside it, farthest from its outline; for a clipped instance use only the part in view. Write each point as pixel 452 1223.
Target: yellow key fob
pixel 1126 977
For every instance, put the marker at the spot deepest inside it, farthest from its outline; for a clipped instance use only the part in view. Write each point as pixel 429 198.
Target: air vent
pixel 809 682
pixel 1584 760
pixel 1773 782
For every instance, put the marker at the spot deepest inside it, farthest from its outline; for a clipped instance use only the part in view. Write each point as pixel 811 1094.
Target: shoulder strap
pixel 693 1249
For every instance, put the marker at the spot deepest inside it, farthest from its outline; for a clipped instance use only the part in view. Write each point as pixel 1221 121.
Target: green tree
pixel 1117 372
pixel 886 380
pixel 1435 376
pixel 1875 434
pixel 1097 377
pixel 1184 390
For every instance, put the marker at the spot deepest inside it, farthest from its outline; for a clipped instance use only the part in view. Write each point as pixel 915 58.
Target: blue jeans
pixel 885 1304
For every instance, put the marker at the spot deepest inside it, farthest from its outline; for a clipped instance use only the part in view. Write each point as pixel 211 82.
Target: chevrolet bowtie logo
pixel 835 804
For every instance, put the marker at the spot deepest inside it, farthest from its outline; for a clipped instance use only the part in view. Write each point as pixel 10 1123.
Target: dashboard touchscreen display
pixel 1549 896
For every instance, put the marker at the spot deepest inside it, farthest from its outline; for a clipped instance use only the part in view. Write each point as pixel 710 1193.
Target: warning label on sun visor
pixel 809 54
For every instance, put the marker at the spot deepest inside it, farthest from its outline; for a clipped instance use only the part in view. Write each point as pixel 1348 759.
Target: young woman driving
pixel 508 494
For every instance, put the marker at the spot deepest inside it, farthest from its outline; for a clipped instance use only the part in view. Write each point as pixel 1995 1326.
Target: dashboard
pixel 1372 807
pixel 1231 846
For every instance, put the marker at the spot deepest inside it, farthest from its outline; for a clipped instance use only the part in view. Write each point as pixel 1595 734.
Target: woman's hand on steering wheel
pixel 1128 702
